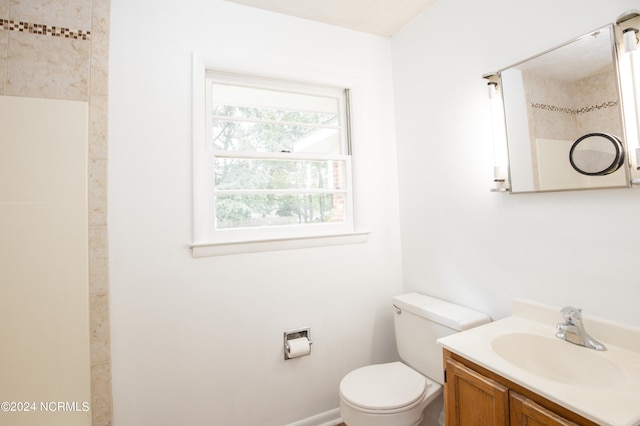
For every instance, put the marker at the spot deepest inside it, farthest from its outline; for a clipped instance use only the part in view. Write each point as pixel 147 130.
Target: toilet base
pixel 352 418
pixel 434 413
pixel 415 416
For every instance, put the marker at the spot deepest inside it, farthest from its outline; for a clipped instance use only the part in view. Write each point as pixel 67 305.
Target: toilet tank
pixel 420 320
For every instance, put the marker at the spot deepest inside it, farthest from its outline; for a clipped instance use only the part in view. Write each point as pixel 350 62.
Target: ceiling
pixel 381 17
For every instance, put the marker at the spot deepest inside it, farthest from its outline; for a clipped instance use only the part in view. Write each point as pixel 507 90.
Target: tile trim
pixel 11 25
pixel 574 111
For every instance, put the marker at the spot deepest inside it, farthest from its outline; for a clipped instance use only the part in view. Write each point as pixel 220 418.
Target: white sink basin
pixel 558 360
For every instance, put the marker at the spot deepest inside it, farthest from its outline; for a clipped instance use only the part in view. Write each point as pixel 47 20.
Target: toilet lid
pixel 383 386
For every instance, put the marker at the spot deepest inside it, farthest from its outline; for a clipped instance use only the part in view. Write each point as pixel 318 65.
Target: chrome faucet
pixel 572 330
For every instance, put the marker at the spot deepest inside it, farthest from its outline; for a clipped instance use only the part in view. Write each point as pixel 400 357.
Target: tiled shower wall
pixel 59 49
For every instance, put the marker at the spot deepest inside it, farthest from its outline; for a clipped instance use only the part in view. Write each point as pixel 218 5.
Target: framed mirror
pixel 563 117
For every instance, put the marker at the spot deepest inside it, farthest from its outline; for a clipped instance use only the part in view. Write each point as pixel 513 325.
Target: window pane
pixel 271 114
pixel 266 99
pixel 251 174
pixel 274 137
pixel 268 210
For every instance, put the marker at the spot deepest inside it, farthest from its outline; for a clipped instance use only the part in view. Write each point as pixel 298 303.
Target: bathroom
pixel 199 341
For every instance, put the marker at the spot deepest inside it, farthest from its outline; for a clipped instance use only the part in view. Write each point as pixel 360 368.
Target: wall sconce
pixel 500 152
pixel 630 80
pixel 630 39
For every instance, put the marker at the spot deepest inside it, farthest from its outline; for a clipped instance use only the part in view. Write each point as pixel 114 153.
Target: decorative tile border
pixel 572 110
pixel 11 25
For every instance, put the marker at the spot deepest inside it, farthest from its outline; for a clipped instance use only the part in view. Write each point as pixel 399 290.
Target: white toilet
pixel 397 393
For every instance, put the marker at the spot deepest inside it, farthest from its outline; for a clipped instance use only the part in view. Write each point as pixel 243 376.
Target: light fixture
pixel 500 153
pixel 630 79
pixel 630 39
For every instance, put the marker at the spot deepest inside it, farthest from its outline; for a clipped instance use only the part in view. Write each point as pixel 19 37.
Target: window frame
pixel 208 241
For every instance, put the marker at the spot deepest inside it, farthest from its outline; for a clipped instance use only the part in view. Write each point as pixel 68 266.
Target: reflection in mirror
pixel 553 100
pixel 596 154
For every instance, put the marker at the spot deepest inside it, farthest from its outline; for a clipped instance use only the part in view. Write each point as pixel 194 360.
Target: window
pixel 274 161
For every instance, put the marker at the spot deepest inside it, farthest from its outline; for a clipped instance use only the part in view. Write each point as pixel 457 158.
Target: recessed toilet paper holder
pixel 296 334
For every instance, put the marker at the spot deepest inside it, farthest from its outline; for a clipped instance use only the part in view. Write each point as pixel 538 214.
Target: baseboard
pixel 328 418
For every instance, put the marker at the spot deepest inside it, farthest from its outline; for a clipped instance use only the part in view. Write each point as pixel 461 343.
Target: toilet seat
pixel 384 388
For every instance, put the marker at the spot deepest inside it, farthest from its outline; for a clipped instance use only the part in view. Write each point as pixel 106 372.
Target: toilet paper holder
pixel 296 334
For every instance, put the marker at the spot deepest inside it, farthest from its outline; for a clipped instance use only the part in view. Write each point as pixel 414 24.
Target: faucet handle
pixel 569 313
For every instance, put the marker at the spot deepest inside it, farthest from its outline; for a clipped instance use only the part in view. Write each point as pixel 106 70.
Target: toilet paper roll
pixel 298 347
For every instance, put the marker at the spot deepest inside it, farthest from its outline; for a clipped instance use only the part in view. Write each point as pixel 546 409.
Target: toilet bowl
pixel 386 395
pixel 400 393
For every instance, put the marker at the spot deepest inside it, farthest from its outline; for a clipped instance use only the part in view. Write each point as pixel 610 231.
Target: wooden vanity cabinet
pixel 475 396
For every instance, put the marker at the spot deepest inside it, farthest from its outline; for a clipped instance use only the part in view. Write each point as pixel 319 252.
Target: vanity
pixel 515 371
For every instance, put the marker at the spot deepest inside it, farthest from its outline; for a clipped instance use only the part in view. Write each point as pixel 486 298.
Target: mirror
pixel 563 118
pixel 596 154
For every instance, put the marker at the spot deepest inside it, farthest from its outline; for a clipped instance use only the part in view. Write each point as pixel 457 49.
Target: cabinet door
pixel 524 412
pixel 472 399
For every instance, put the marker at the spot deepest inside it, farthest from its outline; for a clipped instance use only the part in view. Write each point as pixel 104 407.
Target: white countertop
pixel 612 404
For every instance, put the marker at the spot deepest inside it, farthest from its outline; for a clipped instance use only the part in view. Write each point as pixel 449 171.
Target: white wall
pixel 463 243
pixel 199 341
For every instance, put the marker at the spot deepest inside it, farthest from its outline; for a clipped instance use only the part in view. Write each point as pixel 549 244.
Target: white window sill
pixel 256 246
